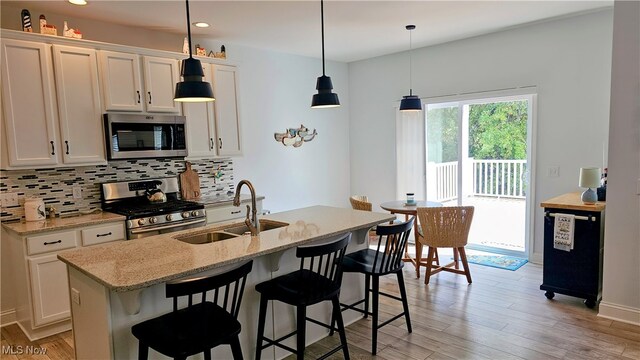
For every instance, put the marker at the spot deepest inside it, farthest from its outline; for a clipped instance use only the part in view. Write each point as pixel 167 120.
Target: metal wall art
pixel 295 137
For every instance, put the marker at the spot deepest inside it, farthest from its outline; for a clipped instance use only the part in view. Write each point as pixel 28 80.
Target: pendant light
pixel 410 102
pixel 325 98
pixel 192 88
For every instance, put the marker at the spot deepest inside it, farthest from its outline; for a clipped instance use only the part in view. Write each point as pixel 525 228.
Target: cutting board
pixel 189 183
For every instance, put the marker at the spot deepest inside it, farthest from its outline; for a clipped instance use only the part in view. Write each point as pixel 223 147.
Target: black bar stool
pixel 386 259
pixel 198 328
pixel 318 279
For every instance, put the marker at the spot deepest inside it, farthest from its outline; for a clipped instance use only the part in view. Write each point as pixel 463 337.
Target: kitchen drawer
pixel 224 213
pixel 102 234
pixel 51 242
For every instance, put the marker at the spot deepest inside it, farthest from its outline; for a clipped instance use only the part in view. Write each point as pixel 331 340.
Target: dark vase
pixel 602 193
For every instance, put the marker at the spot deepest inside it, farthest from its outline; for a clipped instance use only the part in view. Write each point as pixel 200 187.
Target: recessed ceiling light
pixel 78 2
pixel 201 24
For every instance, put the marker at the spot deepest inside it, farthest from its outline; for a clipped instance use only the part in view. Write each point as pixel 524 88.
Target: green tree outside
pixel 497 131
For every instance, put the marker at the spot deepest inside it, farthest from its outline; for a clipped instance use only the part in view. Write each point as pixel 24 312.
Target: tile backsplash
pixel 55 185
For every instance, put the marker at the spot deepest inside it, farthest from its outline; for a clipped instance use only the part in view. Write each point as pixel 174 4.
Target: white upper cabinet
pixel 121 81
pixel 28 97
pixel 160 78
pixel 79 108
pixel 201 132
pixel 227 114
pixel 123 86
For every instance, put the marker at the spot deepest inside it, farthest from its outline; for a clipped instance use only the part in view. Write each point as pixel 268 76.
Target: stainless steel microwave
pixel 133 136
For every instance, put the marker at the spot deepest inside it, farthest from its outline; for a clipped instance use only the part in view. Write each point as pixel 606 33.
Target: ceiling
pixel 354 30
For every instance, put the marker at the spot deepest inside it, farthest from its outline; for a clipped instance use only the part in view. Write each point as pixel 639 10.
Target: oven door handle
pixel 134 231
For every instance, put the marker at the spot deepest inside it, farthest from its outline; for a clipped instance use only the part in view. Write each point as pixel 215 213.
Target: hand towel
pixel 563 232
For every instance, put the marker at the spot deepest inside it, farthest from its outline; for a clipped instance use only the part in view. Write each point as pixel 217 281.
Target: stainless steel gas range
pixel 151 206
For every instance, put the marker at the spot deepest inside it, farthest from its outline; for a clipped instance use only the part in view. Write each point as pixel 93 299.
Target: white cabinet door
pixel 201 133
pixel 79 109
pixel 225 90
pixel 49 289
pixel 160 78
pixel 28 97
pixel 121 81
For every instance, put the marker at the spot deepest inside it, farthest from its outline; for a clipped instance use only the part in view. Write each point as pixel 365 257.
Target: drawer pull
pixel 52 242
pixel 236 212
pixel 577 217
pixel 138 91
pixel 53 148
pixel 149 92
pixel 107 234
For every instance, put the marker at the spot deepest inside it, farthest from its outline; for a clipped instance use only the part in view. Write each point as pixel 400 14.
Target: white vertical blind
pixel 410 154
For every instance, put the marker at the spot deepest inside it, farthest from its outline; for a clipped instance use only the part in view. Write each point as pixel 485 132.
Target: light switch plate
pixel 553 171
pixel 75 296
pixel 9 199
pixel 77 192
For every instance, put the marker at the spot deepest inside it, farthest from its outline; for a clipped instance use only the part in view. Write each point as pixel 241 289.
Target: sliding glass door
pixel 476 152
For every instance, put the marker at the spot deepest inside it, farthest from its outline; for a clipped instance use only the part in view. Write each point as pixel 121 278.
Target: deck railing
pixel 492 178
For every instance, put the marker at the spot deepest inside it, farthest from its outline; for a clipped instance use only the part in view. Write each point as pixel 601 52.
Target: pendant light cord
pixel 322 27
pixel 189 29
pixel 410 65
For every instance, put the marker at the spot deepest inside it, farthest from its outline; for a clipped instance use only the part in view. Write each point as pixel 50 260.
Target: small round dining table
pixel 401 207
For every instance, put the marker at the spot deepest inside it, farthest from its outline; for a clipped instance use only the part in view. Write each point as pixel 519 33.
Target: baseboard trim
pixel 625 314
pixel 536 258
pixel 7 317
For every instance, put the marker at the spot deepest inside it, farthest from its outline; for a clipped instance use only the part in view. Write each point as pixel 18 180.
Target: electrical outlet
pixel 77 192
pixel 554 171
pixel 75 296
pixel 9 199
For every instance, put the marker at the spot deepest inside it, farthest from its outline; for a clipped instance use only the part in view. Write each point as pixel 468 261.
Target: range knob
pixel 141 222
pixel 169 217
pixel 186 214
pixel 195 213
pixel 153 220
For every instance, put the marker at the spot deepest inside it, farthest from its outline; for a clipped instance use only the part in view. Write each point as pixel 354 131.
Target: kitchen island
pixel 115 286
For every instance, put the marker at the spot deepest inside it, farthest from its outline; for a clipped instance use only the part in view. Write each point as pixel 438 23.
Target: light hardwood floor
pixel 502 315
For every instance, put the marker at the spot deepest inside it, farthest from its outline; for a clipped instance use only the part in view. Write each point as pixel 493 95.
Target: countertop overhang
pixel 135 264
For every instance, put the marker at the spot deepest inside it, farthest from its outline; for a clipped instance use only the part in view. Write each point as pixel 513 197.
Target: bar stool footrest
pixel 278 341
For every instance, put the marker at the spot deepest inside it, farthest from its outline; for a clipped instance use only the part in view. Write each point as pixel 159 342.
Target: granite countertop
pixel 136 264
pixel 34 227
pixel 571 201
pixel 222 200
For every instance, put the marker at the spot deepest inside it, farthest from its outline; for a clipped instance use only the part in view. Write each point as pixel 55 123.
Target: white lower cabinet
pixel 216 214
pixel 41 280
pixel 49 284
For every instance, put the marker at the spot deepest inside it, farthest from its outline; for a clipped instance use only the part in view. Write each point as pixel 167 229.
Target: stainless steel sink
pixel 265 225
pixel 206 238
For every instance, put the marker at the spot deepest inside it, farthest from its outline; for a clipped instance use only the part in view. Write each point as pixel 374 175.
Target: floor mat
pixel 498 261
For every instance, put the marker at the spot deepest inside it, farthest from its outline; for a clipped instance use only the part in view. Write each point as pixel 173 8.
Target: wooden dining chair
pixel 360 202
pixel 446 227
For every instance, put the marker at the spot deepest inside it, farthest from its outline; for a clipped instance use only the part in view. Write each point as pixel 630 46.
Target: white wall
pixel 276 91
pixel 568 60
pixel 621 277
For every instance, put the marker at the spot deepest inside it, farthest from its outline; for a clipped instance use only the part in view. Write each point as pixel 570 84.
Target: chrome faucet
pixel 253 224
